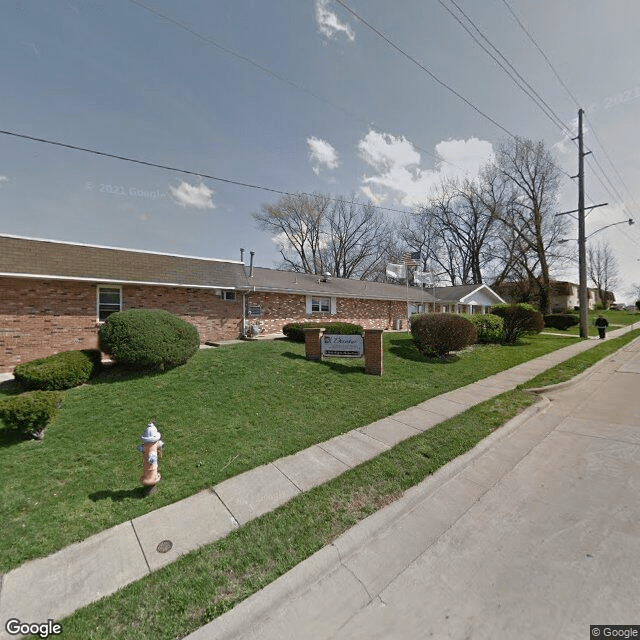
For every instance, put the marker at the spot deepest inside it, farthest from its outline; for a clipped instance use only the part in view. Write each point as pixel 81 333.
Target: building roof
pixel 310 284
pixel 54 259
pixel 30 257
pixel 462 292
pixel 57 260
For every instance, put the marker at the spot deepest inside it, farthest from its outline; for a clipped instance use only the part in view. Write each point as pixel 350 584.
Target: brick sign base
pixel 372 348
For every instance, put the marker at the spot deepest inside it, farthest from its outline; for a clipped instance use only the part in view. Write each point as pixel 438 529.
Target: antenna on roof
pixel 251 253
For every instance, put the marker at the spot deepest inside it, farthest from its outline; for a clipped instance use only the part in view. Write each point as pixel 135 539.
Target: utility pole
pixel 582 238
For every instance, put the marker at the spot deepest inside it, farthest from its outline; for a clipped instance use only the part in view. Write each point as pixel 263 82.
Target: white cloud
pixel 188 195
pixel 321 154
pixel 397 165
pixel 328 22
pixel 3 179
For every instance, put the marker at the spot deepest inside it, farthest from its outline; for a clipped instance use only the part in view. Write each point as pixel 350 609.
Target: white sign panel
pixel 342 346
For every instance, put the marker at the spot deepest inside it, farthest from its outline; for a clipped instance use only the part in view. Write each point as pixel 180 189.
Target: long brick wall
pixel 42 317
pixel 279 309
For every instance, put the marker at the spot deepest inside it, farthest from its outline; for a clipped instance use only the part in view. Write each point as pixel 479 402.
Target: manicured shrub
pixel 30 412
pixel 490 328
pixel 436 334
pixel 60 371
pixel 148 338
pixel 519 319
pixel 562 321
pixel 294 330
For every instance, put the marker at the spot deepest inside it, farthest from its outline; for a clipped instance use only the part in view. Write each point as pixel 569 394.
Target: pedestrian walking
pixel 602 323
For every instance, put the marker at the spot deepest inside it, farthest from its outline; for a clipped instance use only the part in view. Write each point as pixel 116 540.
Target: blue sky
pixel 333 109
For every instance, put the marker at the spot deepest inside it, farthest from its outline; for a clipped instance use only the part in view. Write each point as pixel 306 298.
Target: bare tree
pixel 318 234
pixel 602 269
pixel 296 224
pixel 357 239
pixel 532 178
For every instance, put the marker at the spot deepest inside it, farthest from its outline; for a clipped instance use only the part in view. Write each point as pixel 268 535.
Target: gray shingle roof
pixel 29 257
pixel 310 284
pixel 63 260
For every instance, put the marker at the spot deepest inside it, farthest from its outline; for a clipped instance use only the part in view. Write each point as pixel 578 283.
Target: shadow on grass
pixel 405 349
pixel 118 496
pixel 11 388
pixel 10 437
pixel 110 373
pixel 338 367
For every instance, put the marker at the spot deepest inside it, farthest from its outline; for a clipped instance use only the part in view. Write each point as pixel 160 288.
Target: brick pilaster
pixel 373 352
pixel 312 338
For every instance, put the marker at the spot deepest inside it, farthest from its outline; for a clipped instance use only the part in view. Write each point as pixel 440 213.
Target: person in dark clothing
pixel 602 323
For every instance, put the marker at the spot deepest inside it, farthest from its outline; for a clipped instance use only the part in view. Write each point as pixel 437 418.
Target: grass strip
pixel 223 413
pixel 580 363
pixel 200 586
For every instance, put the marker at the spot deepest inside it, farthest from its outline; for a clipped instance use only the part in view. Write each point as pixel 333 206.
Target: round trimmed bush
pixel 562 321
pixel 148 338
pixel 60 371
pixel 294 330
pixel 519 319
pixel 437 334
pixel 490 328
pixel 30 412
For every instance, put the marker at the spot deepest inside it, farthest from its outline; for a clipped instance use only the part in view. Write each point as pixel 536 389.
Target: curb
pixel 249 615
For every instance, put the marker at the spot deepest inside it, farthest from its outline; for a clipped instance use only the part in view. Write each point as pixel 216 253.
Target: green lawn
pixel 228 410
pixel 199 586
pixel 616 320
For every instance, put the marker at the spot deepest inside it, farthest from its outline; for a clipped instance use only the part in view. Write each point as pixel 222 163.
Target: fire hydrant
pixel 150 449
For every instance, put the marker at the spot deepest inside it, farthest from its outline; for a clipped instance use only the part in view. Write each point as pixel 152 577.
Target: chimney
pixel 251 253
pixel 242 255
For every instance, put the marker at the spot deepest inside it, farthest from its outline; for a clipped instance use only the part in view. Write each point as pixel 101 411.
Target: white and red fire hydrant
pixel 150 449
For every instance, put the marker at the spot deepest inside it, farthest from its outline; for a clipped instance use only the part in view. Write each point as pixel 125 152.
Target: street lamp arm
pixel 630 221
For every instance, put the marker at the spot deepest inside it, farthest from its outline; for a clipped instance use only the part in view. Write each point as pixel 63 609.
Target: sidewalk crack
pixel 144 555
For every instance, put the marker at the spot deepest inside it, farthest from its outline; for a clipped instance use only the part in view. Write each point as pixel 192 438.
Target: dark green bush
pixel 148 338
pixel 436 334
pixel 60 371
pixel 562 321
pixel 490 328
pixel 294 330
pixel 30 412
pixel 519 319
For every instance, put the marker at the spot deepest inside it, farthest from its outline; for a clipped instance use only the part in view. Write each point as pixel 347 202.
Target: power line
pixel 273 74
pixel 615 170
pixel 542 53
pixel 198 174
pixel 423 68
pixel 519 81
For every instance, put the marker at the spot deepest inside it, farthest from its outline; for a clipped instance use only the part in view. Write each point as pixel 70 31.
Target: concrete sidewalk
pixel 55 586
pixel 533 534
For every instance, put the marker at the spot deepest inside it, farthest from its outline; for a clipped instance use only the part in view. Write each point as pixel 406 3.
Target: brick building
pixel 54 296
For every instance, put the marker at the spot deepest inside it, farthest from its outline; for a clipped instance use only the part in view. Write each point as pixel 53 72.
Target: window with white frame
pixel 109 301
pixel 229 295
pixel 321 304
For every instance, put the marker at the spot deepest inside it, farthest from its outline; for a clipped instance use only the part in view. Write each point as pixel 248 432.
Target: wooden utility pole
pixel 582 238
pixel 583 294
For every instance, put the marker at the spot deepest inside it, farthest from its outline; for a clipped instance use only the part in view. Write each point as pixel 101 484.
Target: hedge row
pixel 490 328
pixel 148 338
pixel 60 371
pixel 294 330
pixel 437 334
pixel 30 412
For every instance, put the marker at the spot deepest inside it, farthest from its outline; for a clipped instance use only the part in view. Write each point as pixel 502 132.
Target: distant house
pixel 466 298
pixel 564 294
pixel 55 295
